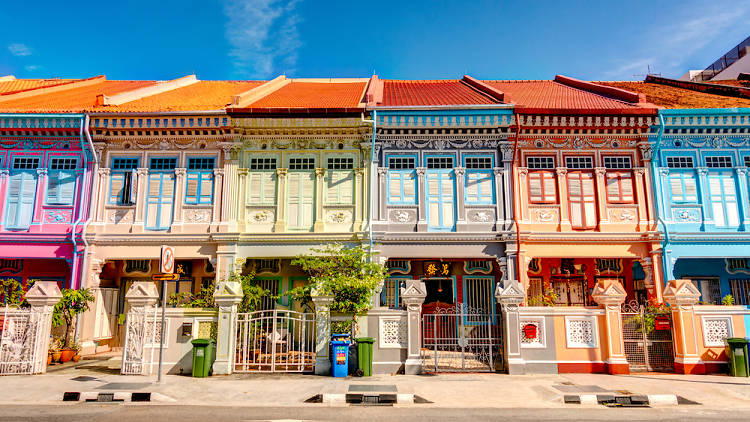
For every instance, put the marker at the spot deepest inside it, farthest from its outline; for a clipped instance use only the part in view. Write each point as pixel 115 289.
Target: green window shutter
pixel 340 188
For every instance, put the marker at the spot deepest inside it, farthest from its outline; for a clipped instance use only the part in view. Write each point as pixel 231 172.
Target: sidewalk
pixel 445 390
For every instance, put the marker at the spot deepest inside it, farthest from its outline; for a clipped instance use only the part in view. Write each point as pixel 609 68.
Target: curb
pixel 372 399
pixel 106 397
pixel 640 400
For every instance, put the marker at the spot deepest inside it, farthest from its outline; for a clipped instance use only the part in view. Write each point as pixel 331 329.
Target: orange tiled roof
pixel 673 97
pixel 73 100
pixel 431 93
pixel 202 95
pixel 551 95
pixel 313 95
pixel 17 85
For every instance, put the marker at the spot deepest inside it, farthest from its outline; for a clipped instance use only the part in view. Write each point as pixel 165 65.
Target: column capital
pixel 41 171
pixel 702 171
pixel 523 171
pixel 382 170
pixel 180 171
pixel 609 291
pixel 421 171
pixel 228 293
pixel 741 171
pixel 320 172
pixel 639 171
pixel 218 172
pixel 664 171
pixel 459 170
pixel 243 171
pixel 681 292
pixel 561 171
pixel 104 171
pixel 43 293
pixel 142 171
pixel 281 171
pixel 497 171
pixel 509 294
pixel 600 171
pixel 142 294
pixel 4 172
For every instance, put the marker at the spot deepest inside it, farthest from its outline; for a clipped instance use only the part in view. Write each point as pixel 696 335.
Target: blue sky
pixel 260 39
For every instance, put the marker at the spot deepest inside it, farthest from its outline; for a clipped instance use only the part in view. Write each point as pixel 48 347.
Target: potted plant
pixel 73 303
pixel 54 351
pixel 77 349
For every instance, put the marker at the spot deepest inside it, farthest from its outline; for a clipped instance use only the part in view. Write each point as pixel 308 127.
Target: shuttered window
pixel 582 200
pixel 440 199
pixel 723 199
pixel 123 181
pixel 682 187
pixel 21 195
pixel 160 200
pixel 619 187
pixel 200 180
pixel 340 181
pixel 479 186
pixel 402 187
pixel 61 181
pixel 300 199
pixel 261 186
pixel 542 188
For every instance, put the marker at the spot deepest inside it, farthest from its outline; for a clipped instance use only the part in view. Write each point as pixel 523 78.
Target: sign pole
pixel 166 268
pixel 161 337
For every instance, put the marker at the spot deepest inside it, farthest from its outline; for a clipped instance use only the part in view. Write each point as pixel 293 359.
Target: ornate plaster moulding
pixel 578 142
pixel 161 144
pixel 35 238
pixel 469 238
pixel 243 123
pixel 622 239
pixel 282 238
pixel 31 143
pixel 705 141
pixel 625 122
pixel 413 142
pixel 317 142
pixel 709 238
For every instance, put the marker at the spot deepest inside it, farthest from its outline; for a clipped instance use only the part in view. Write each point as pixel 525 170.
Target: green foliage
pixel 11 292
pixel 346 273
pixel 73 302
pixel 727 300
pixel 342 327
pixel 252 294
pixel 548 298
pixel 648 322
pixel 203 299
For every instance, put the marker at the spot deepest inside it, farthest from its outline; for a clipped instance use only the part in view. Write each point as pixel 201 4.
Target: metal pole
pixel 161 337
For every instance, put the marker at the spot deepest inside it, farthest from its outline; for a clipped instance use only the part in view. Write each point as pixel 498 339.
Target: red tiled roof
pixel 552 96
pixel 432 93
pixel 202 95
pixel 17 85
pixel 313 95
pixel 73 100
pixel 674 97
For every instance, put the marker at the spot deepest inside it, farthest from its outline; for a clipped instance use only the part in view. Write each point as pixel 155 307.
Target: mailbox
pixel 187 329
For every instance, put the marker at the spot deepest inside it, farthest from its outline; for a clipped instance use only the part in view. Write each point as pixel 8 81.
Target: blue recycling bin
pixel 340 364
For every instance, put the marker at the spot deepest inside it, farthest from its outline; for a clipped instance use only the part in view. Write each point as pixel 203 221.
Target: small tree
pixel 73 303
pixel 11 292
pixel 345 272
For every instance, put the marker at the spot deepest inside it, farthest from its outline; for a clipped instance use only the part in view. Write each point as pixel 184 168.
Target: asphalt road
pixel 148 413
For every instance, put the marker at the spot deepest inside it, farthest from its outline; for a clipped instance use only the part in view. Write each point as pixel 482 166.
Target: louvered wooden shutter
pixel 479 187
pixel 67 185
pixel 340 187
pixel 21 195
pixel 115 190
pixel 619 187
pixel 207 188
pixel 300 199
pixel 723 199
pixel 542 187
pixel 191 189
pixel 582 200
pixel 262 188
pixel 166 200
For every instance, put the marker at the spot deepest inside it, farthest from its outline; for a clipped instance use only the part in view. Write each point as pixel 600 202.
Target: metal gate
pixel 647 336
pixel 275 341
pixel 19 342
pixel 461 338
pixel 141 330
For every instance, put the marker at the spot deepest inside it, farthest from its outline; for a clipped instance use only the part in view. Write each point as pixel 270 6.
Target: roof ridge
pixel 607 91
pixel 716 89
pixel 146 91
pixel 31 92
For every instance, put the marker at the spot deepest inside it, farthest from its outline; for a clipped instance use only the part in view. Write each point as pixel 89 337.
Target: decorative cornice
pixel 404 142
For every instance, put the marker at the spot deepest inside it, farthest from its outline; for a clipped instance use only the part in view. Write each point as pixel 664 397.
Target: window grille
pixel 723 161
pixel 301 164
pixel 262 164
pixel 540 162
pixel 401 163
pixel 740 291
pixel 579 162
pixel 63 164
pixel 200 163
pixel 680 162
pixel 747 161
pixel 163 164
pixel 124 163
pixel 439 162
pixel 25 163
pixel 478 162
pixel 617 162
pixel 340 163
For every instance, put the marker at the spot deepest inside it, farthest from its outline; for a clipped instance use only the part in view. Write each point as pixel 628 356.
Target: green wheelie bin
pixel 203 357
pixel 364 351
pixel 736 350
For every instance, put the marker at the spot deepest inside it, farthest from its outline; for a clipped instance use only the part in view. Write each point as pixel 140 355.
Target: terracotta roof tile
pixel 314 95
pixel 673 97
pixel 551 95
pixel 431 93
pixel 74 100
pixel 17 85
pixel 202 95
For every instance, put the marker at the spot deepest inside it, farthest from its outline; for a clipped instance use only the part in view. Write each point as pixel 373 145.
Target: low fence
pixel 713 324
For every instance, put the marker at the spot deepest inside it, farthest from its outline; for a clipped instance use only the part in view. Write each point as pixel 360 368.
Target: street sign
pixel 165 277
pixel 167 260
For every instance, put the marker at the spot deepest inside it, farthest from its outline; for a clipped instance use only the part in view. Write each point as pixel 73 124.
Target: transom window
pixel 439 162
pixel 25 163
pixel 540 162
pixel 401 163
pixel 680 162
pixel 201 163
pixel 124 163
pixel 579 162
pixel 340 163
pixel 478 162
pixel 162 163
pixel 63 164
pixel 747 161
pixel 617 162
pixel 722 161
pixel 303 163
pixel 262 164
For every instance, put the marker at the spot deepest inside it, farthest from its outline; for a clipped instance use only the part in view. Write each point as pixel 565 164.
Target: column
pixel 743 197
pixel 505 190
pixel 562 186
pixel 322 305
pixel 601 195
pixel 682 295
pixel 42 296
pixel 319 225
pixel 242 197
pixel 610 295
pixel 412 296
pixel 218 196
pixel 225 258
pixel 657 273
pixel 641 197
pixel 522 199
pixel 179 198
pixel 3 188
pixel 140 196
pixel 648 268
pixel 280 224
pixel 88 320
pixel 502 203
pixel 647 155
pixel 100 202
pixel 382 195
pixel 708 217
pixel 665 205
pixel 228 295
pixel 229 197
pixel 460 172
pixel 510 296
pixel 142 296
pixel 359 204
pixel 41 189
pixel 422 200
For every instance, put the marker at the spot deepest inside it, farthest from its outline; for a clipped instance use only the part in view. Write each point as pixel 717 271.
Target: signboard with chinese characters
pixel 437 268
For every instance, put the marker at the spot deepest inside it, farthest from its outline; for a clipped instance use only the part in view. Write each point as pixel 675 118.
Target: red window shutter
pixel 542 187
pixel 582 199
pixel 620 187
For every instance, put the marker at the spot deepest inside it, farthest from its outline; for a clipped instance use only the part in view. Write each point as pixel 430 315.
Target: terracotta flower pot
pixel 76 358
pixel 66 355
pixel 56 356
pixel 49 358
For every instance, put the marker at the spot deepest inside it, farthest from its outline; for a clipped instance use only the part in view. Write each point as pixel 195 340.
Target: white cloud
pixel 18 49
pixel 263 36
pixel 32 67
pixel 668 49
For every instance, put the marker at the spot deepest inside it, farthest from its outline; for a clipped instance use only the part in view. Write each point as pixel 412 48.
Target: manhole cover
pixel 371 388
pixel 124 386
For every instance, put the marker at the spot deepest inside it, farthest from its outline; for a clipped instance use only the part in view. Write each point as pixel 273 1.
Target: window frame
pixel 200 174
pixel 399 173
pixel 58 201
pixel 160 202
pixel 482 199
pixel 118 172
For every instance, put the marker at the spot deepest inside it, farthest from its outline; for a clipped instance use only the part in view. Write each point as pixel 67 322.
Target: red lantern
pixel 529 331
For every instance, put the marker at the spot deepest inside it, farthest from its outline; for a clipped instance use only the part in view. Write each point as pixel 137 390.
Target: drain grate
pixel 71 396
pixel 105 398
pixel 383 399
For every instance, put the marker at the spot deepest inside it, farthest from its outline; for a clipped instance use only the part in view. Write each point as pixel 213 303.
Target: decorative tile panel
pixel 198 216
pixel 623 215
pixel 120 216
pixel 686 215
pixel 153 332
pixel 532 332
pixel 481 216
pixel 545 215
pixel 63 216
pixel 260 217
pixel 402 216
pixel 393 332
pixel 580 332
pixel 716 330
pixel 339 216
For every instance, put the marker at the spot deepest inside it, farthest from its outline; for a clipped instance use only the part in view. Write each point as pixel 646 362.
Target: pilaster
pixel 280 224
pixel 319 224
pixel 522 199
pixel 179 198
pixel 102 184
pixel 460 173
pixel 218 197
pixel 744 204
pixel 412 296
pixel 41 189
pixel 641 197
pixel 601 196
pixel 322 332
pixel 140 197
pixel 510 295
pixel 382 194
pixel 682 295
pixel 708 216
pixel 228 295
pixel 359 204
pixel 422 201
pixel 242 198
pixel 42 296
pixel 610 295
pixel 562 186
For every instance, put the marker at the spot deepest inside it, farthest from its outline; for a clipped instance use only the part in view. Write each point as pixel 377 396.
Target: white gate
pixel 140 330
pixel 19 343
pixel 275 341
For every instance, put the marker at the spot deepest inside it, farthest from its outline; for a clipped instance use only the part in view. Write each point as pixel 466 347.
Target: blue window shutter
pixel 206 187
pixel 160 200
pixel 61 187
pixel 21 197
pixel 192 187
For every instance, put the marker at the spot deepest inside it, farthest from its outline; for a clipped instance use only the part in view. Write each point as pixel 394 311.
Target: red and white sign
pixel 167 260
